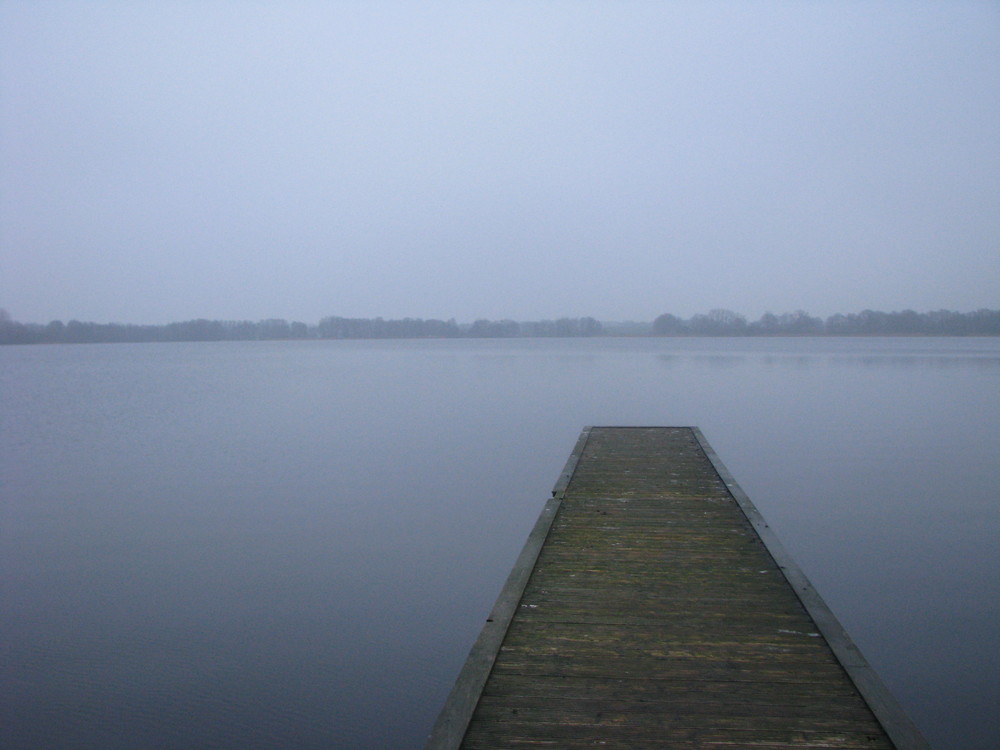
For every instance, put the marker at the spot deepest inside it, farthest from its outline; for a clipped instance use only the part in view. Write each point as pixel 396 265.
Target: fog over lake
pixel 294 544
pixel 162 161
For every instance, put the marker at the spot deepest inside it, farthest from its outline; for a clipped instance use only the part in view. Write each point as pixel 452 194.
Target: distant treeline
pixel 274 329
pixel 714 323
pixel 865 323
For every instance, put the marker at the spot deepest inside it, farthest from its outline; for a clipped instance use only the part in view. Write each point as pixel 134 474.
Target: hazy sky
pixel 242 160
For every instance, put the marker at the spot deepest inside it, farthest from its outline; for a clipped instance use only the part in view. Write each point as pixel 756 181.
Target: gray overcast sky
pixel 242 160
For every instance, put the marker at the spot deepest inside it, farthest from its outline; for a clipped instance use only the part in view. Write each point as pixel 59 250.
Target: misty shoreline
pixel 719 322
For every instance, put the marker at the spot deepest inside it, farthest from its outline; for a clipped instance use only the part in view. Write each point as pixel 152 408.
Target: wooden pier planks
pixel 646 611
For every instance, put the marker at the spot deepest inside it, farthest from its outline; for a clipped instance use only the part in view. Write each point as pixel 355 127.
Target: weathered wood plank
pixel 644 690
pixel 653 612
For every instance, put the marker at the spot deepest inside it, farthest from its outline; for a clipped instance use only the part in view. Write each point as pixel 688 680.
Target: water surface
pixel 294 544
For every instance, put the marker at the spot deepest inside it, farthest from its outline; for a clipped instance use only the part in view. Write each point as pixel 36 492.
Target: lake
pixel 294 544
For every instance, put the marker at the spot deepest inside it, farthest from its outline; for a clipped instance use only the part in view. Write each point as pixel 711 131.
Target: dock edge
pixel 453 721
pixel 901 730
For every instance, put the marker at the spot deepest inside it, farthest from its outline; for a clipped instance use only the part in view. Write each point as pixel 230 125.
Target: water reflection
pixel 974 360
pixel 921 361
pixel 718 360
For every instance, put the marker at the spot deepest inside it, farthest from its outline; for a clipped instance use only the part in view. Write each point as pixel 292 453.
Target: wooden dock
pixel 652 607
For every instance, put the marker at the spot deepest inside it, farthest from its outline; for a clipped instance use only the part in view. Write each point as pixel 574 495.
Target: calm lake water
pixel 294 544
